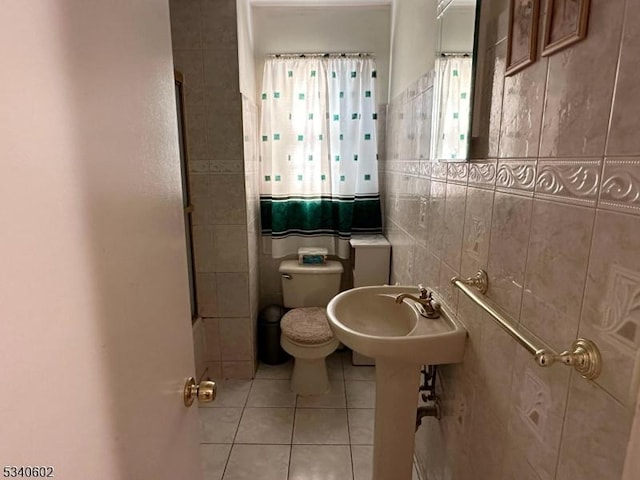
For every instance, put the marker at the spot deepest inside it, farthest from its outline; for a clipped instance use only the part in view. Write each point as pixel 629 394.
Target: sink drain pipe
pixel 432 409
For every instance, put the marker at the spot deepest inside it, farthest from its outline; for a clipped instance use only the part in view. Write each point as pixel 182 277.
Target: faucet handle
pixel 424 293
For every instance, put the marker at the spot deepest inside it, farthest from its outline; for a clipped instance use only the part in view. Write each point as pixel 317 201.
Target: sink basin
pixel 369 321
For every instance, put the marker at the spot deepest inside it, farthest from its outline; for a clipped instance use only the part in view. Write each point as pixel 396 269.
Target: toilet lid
pixel 307 325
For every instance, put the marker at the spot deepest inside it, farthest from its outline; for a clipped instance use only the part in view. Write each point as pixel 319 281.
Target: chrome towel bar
pixel 584 355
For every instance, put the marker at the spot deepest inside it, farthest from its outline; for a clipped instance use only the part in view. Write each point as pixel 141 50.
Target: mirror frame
pixel 472 95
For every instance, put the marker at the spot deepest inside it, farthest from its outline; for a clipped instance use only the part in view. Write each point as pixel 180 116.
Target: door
pixel 95 331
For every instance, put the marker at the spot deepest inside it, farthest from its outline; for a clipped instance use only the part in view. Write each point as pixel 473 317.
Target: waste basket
pixel 269 349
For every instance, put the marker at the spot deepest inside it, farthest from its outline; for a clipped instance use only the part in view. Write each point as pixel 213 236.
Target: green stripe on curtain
pixel 320 216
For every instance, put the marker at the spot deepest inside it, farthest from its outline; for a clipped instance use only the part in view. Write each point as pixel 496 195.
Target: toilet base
pixel 309 375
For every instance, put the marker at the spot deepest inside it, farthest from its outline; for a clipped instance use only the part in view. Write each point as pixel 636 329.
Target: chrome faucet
pixel 427 306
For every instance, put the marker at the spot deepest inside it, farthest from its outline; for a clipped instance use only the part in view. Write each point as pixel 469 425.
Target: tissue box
pixel 312 256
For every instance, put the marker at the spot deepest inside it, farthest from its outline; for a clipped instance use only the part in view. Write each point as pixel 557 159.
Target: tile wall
pixel 221 166
pixel 550 207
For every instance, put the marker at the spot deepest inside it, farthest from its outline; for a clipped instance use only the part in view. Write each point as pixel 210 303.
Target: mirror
pixel 453 85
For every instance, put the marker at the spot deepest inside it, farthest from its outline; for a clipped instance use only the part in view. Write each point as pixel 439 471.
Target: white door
pixel 95 333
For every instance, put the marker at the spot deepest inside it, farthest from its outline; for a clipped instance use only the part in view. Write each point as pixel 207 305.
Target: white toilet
pixel 306 334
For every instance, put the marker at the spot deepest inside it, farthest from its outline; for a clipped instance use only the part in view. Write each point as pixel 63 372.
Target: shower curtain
pixel 454 84
pixel 319 169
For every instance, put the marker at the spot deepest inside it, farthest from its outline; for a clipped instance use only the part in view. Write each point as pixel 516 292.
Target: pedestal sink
pixel 369 321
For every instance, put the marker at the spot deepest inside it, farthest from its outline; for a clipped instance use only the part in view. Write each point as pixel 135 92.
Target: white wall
pixel 456 29
pixel 413 40
pixel 302 29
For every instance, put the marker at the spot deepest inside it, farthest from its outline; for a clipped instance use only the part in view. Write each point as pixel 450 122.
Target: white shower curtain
pixel 319 172
pixel 454 84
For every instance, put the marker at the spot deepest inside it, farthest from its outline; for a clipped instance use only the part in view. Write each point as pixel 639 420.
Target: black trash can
pixel 269 349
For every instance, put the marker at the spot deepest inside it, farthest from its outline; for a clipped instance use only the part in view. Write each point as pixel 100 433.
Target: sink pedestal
pixel 369 320
pixel 397 384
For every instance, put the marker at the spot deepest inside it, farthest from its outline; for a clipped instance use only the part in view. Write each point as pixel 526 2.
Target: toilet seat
pixel 307 337
pixel 307 326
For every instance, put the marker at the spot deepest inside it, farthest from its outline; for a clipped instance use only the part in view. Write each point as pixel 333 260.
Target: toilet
pixel 306 334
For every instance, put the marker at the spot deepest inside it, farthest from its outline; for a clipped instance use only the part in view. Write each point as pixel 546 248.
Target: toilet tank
pixel 309 285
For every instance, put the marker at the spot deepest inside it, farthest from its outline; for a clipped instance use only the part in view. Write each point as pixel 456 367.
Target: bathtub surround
pixel 549 207
pixel 222 175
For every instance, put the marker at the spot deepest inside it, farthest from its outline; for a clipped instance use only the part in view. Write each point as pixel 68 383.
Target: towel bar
pixel 584 355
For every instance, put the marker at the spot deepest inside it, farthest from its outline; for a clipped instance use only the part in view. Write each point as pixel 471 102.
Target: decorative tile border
pixel 216 166
pixel 620 188
pixel 413 168
pixel 568 181
pixel 483 174
pixel 198 166
pixel 572 181
pixel 516 176
pixel 425 168
pixel 407 167
pixel 439 170
pixel 457 173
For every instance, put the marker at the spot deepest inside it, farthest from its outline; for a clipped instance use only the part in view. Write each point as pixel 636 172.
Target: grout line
pixel 623 30
pixel 564 421
pixel 293 427
pixel 226 463
pixel 346 404
pixel 526 262
pixel 590 262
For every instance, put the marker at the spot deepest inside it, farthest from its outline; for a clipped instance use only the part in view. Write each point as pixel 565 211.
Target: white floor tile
pixel 260 430
pixel 320 462
pixel 321 426
pixel 361 394
pixel 334 398
pixel 230 393
pixel 362 456
pixel 219 425
pixel 275 372
pixel 214 459
pixel 271 393
pixel 266 426
pixel 258 462
pixel 361 425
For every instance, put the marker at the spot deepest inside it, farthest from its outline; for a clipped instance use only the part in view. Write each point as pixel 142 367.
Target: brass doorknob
pixel 205 391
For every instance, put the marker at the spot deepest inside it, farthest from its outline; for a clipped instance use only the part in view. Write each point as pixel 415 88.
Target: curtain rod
pixel 315 55
pixel 455 54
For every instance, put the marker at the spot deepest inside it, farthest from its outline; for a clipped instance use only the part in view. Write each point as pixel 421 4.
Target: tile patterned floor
pixel 259 430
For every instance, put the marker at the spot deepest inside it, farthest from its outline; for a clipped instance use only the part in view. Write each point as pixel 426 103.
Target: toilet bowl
pixel 306 334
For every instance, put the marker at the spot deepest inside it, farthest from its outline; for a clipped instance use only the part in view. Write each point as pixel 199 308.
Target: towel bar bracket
pixel 584 357
pixel 480 281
